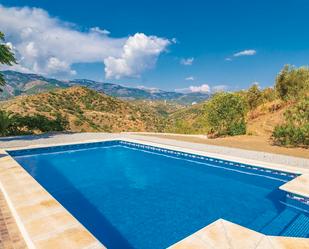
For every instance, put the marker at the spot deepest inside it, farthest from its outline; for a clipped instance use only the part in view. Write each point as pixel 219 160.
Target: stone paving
pixel 10 237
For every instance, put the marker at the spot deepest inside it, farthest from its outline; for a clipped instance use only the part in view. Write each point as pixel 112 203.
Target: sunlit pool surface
pixel 137 197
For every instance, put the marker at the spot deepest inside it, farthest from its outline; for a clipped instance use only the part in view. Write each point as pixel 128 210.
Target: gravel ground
pixel 45 139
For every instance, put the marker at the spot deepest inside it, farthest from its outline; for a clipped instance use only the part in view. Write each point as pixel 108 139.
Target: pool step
pixel 262 220
pixel 298 228
pixel 279 223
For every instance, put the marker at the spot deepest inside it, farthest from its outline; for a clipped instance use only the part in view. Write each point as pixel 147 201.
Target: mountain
pixel 22 83
pixel 86 110
pixel 25 84
pixel 126 92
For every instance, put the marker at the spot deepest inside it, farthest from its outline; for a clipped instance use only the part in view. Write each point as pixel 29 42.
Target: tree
pixel 226 114
pixel 254 96
pixel 292 83
pixel 6 56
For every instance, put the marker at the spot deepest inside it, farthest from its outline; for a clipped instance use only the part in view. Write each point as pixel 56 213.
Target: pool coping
pixel 54 212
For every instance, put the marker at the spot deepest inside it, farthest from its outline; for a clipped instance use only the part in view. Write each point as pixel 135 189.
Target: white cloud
pixel 248 52
pixel 189 78
pixel 187 61
pixel 140 52
pixel 204 88
pixel 100 31
pixel 228 59
pixel 49 46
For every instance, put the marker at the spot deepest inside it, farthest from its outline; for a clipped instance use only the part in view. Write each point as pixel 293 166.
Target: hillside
pixel 87 110
pixel 188 120
pixel 260 121
pixel 26 84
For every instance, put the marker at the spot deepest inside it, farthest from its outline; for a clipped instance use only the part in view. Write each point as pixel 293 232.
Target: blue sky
pixel 268 33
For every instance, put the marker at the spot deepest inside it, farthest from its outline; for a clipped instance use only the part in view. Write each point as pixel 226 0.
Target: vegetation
pixel 190 120
pixel 226 114
pixel 254 96
pixel 292 86
pixel 279 112
pixel 6 57
pixel 5 123
pixel 292 83
pixel 295 130
pixel 15 124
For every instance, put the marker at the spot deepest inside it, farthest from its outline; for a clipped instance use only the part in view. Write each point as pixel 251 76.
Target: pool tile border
pixel 8 177
pixel 52 226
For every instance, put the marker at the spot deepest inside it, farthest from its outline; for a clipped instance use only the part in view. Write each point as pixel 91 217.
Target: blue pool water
pixel 134 198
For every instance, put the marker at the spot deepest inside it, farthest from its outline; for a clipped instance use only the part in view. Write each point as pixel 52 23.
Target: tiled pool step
pixel 279 223
pixel 262 220
pixel 299 227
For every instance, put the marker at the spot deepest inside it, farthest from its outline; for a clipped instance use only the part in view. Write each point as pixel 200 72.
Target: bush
pixel 15 124
pixel 295 130
pixel 292 83
pixel 5 122
pixel 226 114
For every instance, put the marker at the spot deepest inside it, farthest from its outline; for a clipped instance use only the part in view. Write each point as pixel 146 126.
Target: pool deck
pixel 44 223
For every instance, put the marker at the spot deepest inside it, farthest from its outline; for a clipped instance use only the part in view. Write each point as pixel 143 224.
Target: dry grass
pixel 261 121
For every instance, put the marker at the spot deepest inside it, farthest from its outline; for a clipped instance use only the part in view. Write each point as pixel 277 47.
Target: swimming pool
pixel 132 195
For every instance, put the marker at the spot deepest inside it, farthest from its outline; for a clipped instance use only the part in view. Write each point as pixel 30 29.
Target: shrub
pixel 295 130
pixel 226 114
pixel 15 124
pixel 5 122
